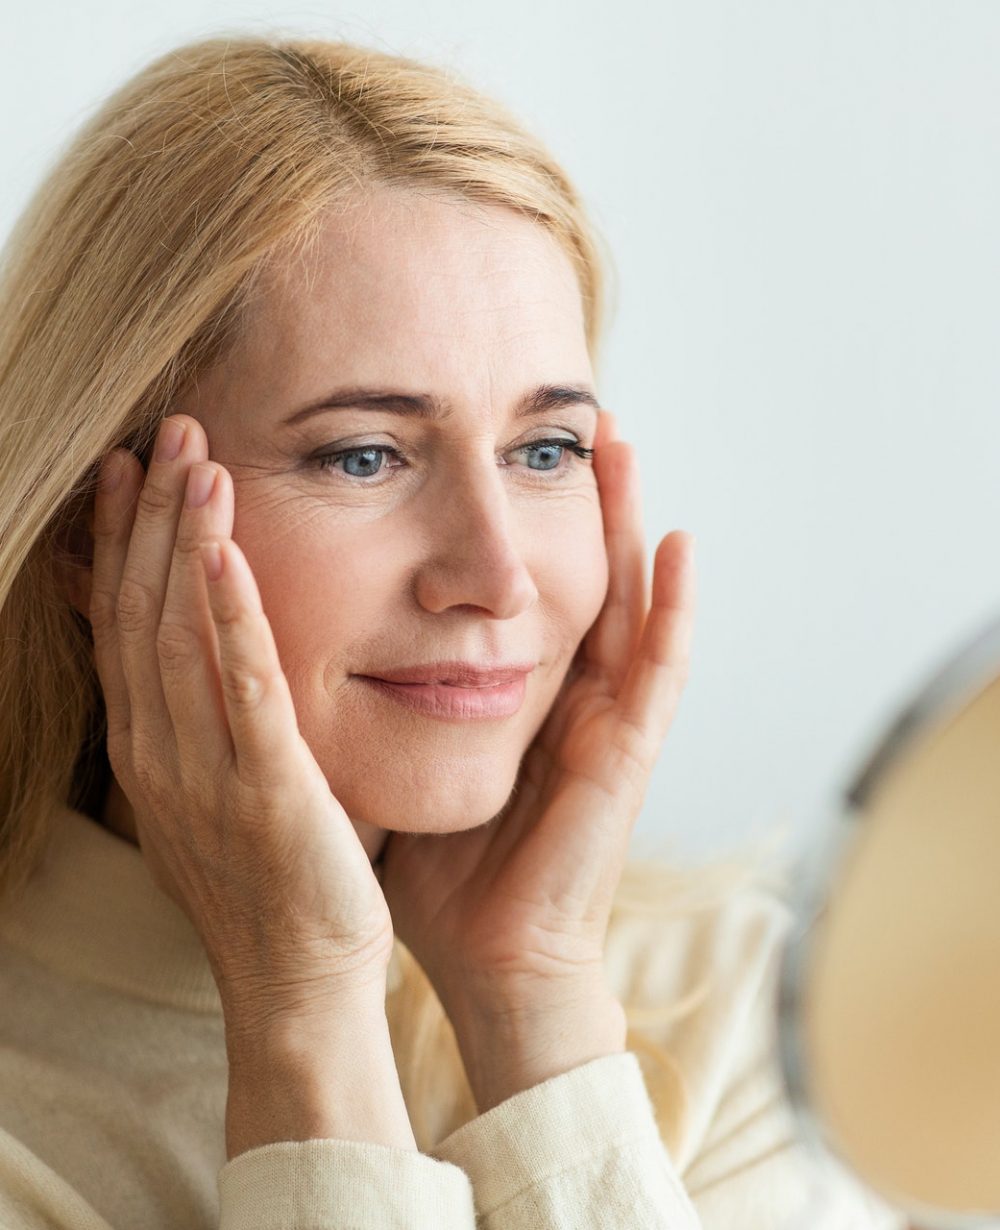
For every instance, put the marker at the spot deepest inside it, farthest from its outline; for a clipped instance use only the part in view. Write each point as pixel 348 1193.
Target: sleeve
pixel 341 1185
pixel 580 1151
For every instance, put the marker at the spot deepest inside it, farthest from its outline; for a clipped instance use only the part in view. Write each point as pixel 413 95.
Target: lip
pixel 442 700
pixel 475 694
pixel 456 673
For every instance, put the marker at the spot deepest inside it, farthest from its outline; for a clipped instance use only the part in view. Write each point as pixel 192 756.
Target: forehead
pixel 420 289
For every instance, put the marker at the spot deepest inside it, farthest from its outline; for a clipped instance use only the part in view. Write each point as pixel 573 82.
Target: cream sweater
pixel 113 1080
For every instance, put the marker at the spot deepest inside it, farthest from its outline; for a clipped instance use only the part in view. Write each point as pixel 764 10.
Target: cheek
pixel 573 569
pixel 325 588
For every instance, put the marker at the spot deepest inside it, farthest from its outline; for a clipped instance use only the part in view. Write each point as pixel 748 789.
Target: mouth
pixel 454 701
pixel 455 673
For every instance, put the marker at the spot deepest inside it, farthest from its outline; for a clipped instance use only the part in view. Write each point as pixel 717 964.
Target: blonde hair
pixel 132 269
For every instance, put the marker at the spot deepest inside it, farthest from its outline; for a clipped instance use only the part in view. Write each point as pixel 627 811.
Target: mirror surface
pixel 890 1003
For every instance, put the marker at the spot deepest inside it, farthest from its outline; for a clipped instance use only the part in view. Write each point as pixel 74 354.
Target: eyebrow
pixel 428 406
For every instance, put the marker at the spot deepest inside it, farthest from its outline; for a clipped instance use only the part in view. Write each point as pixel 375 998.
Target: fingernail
pixel 201 480
pixel 211 558
pixel 170 440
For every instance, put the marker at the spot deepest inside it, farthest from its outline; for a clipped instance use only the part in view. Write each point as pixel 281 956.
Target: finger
pixel 144 577
pixel 114 510
pixel 187 642
pixel 259 707
pixel 607 428
pixel 613 641
pixel 656 678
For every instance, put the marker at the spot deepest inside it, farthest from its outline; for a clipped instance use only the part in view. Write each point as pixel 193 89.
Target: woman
pixel 331 705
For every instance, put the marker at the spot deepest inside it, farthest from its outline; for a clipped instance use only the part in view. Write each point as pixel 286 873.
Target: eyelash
pixel 326 461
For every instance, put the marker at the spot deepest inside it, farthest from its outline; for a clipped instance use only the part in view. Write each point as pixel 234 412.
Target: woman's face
pixel 442 536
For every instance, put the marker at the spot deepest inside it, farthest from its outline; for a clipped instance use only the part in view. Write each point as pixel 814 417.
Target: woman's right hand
pixel 234 816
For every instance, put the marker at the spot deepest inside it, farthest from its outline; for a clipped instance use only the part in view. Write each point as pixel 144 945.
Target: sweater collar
pixel 92 910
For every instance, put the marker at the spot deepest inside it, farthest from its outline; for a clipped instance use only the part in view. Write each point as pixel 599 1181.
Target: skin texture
pixel 446 555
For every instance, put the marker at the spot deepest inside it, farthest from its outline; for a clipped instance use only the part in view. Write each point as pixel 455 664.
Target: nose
pixel 474 559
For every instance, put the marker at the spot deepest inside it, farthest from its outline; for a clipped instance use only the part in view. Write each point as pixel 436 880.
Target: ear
pixel 72 559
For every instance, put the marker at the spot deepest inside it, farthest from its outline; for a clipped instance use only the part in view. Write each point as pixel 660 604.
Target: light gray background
pixel 802 199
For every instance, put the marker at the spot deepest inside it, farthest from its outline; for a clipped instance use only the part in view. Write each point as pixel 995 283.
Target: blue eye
pixel 550 452
pixel 370 462
pixel 363 462
pixel 366 462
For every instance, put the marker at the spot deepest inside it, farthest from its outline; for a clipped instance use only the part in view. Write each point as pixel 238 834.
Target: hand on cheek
pixel 509 919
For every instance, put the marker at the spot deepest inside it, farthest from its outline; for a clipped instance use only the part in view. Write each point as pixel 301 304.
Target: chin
pixel 442 801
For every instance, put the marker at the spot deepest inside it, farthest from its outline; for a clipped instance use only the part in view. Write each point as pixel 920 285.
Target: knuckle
pixel 244 687
pixel 144 767
pixel 175 646
pixel 136 606
pixel 231 616
pixel 187 543
pixel 156 499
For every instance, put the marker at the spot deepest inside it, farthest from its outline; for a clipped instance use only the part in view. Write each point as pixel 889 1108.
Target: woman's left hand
pixel 508 919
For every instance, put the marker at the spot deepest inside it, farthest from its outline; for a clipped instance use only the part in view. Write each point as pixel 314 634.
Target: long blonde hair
pixel 132 269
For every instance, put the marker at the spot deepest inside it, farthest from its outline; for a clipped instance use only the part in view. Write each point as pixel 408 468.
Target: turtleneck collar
pixel 93 911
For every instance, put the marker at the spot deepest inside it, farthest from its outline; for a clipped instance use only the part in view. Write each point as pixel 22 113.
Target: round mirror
pixel 889 1006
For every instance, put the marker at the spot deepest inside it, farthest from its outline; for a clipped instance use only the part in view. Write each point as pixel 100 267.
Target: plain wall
pixel 802 202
